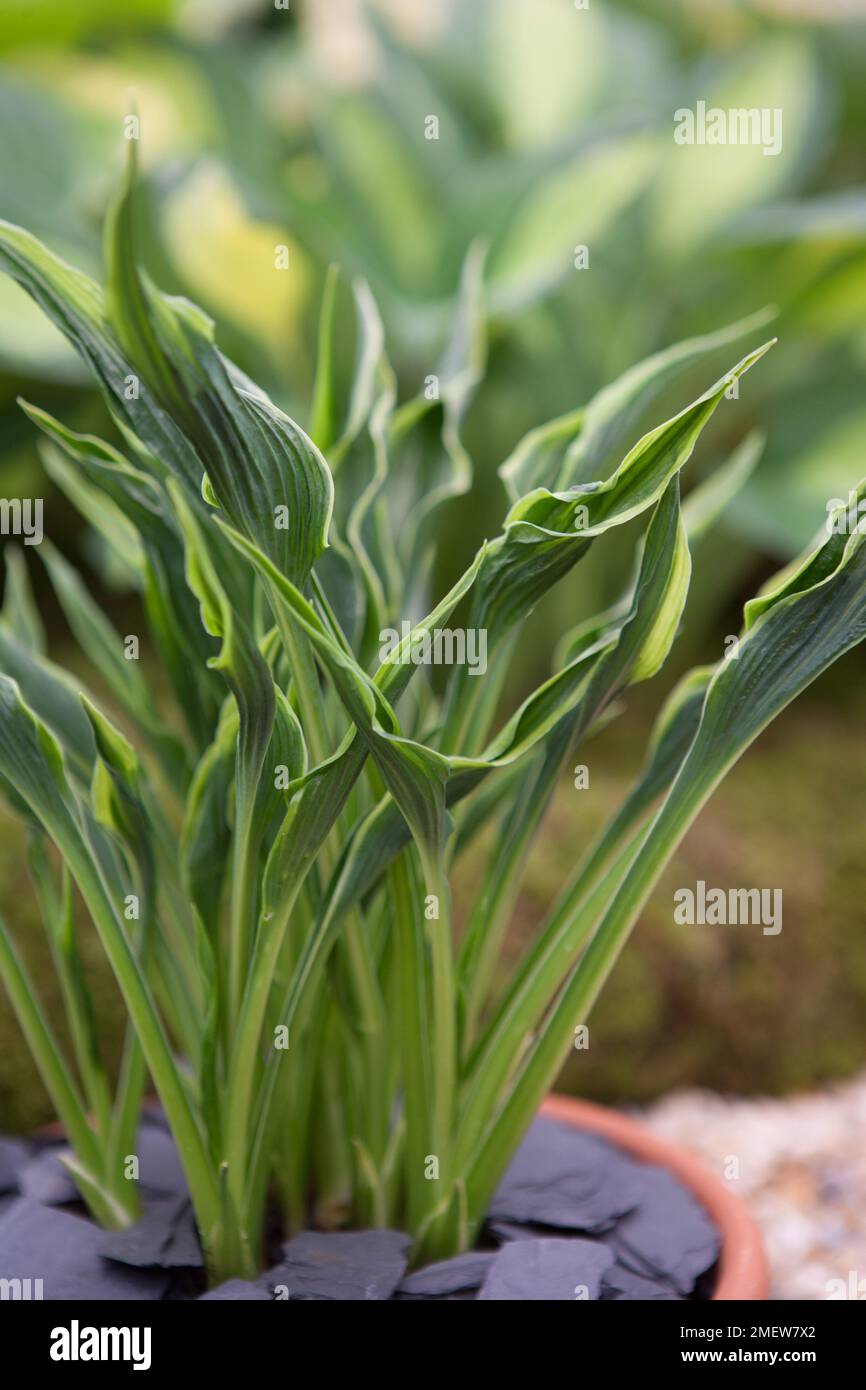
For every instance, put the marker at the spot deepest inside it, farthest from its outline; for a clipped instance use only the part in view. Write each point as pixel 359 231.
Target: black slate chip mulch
pixel 620 1284
pixel 13 1156
pixel 445 1277
pixel 557 1269
pixel 237 1291
pixel 561 1177
pixel 574 1217
pixel 45 1178
pixel 668 1234
pixel 164 1238
pixel 39 1242
pixel 360 1265
pixel 159 1167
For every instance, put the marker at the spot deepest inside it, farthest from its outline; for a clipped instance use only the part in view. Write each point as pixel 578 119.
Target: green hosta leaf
pixel 611 654
pixel 709 499
pixel 325 409
pixel 583 445
pixel 540 972
pixel 19 610
pixel 284 765
pixel 128 308
pixel 360 454
pixel 612 415
pixel 206 836
pixel 632 650
pixel 546 533
pixel 261 468
pixel 124 562
pixel 131 511
pixel 538 459
pixel 54 696
pixel 116 790
pixel 431 463
pixel 239 659
pixel 411 767
pixel 31 761
pixel 249 678
pixel 787 645
pixel 101 643
pixel 48 1056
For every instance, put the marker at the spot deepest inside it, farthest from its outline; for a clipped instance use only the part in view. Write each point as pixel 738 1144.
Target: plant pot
pixel 740 1271
pixel 743 1272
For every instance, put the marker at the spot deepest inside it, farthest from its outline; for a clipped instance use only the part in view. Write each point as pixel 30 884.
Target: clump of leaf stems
pixel 264 828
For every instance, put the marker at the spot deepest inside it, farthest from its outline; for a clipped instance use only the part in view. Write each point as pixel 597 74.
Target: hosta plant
pixel 262 813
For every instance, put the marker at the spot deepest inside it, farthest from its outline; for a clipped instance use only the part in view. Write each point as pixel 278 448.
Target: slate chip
pixel 159 1167
pixel 44 1178
pixel 236 1291
pixel 563 1178
pixel 358 1265
pixel 164 1238
pixel 503 1231
pixel 13 1157
pixel 449 1276
pixel 620 1283
pixel 551 1270
pixel 37 1242
pixel 667 1234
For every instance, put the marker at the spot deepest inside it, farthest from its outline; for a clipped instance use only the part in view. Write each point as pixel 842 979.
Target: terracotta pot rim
pixel 743 1272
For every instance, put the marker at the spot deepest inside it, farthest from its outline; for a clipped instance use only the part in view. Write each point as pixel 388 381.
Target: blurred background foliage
pixel 306 126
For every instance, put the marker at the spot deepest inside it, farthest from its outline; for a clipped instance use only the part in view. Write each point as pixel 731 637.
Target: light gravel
pixel 802 1172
